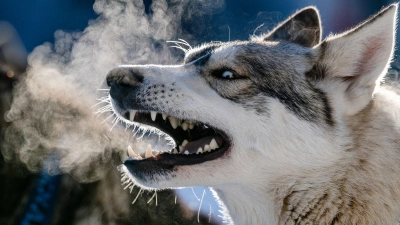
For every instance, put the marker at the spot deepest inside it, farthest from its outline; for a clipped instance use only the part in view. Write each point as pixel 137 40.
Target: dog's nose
pixel 124 76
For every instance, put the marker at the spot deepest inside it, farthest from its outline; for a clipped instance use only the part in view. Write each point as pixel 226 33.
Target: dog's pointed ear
pixel 354 62
pixel 303 28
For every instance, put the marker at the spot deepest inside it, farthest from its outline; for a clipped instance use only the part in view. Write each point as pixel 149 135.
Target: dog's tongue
pixel 206 144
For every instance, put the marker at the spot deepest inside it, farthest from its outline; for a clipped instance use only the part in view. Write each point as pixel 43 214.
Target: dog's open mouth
pixel 195 141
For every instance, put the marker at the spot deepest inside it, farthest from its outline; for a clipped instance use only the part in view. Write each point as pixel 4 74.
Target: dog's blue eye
pixel 227 75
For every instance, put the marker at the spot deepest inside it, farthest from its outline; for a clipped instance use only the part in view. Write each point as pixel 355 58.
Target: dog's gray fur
pixel 313 141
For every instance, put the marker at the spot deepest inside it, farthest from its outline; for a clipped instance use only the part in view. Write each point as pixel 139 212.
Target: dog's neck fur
pixel 355 188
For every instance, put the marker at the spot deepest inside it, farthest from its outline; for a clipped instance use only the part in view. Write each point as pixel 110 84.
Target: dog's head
pixel 238 109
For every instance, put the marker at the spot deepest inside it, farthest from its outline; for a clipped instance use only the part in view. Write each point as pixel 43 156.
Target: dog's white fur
pixel 283 169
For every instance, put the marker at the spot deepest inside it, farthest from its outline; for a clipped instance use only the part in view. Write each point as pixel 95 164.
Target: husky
pixel 286 128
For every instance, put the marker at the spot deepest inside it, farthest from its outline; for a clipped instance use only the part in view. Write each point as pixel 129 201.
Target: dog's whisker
pixel 126 181
pixel 126 126
pixel 137 130
pixel 115 123
pixel 100 102
pixel 209 215
pixel 198 199
pixel 128 185
pixel 124 177
pixel 105 100
pixel 180 43
pixel 229 33
pixel 143 133
pixel 115 120
pixel 107 118
pixel 131 188
pixel 185 43
pixel 201 202
pixel 259 26
pixel 155 195
pixel 137 196
pixel 179 47
pixel 173 42
pixel 103 108
pixel 104 111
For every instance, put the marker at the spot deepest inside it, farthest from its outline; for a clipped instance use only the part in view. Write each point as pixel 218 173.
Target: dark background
pixel 36 21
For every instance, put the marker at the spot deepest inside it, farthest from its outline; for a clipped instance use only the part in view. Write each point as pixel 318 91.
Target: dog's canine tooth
pixel 213 144
pixel 180 148
pixel 184 143
pixel 131 153
pixel 207 148
pixel 153 115
pixel 186 152
pixel 185 125
pixel 132 114
pixel 200 150
pixel 173 121
pixel 164 116
pixel 174 151
pixel 149 152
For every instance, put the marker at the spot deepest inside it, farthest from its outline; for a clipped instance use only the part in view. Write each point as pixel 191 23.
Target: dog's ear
pixel 352 64
pixel 303 28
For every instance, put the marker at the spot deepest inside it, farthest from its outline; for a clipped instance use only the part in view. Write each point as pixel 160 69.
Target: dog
pixel 286 128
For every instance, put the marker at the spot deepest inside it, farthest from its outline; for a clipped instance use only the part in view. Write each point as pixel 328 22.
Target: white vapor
pixel 52 106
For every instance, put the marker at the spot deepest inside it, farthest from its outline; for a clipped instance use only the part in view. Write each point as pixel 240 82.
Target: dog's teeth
pixel 207 148
pixel 213 144
pixel 185 125
pixel 132 114
pixel 153 115
pixel 186 152
pixel 173 121
pixel 184 143
pixel 180 148
pixel 139 157
pixel 175 151
pixel 149 152
pixel 191 126
pixel 131 153
pixel 164 116
pixel 200 150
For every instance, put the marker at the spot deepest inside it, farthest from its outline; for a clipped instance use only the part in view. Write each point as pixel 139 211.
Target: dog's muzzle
pixel 122 81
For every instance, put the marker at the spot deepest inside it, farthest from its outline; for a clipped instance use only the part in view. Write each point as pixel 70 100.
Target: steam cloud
pixel 52 111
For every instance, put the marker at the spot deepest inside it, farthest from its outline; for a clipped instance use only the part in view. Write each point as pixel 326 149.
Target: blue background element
pixel 37 20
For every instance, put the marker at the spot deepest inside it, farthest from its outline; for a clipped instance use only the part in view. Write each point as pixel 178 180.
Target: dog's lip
pixel 164 163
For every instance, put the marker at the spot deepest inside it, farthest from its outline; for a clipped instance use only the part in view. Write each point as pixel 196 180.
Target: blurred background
pixel 37 197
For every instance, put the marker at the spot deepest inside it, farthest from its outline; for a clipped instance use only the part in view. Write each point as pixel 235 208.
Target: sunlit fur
pixel 325 150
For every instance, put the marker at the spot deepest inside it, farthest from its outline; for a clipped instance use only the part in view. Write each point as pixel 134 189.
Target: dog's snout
pixel 124 76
